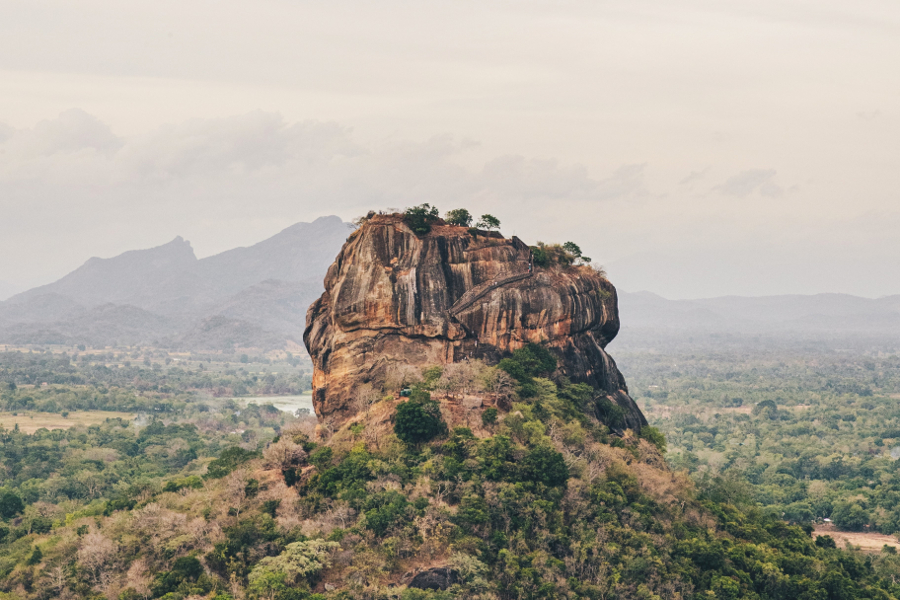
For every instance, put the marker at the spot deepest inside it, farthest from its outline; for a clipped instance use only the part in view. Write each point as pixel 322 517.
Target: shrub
pixel 229 460
pixel 654 436
pixel 298 563
pixel 186 568
pixel 418 420
pixel 489 416
pixel 545 465
pixel 421 218
pixel 384 510
pixel 174 485
pixel 10 505
pixel 611 414
pixel 321 457
pixel 531 361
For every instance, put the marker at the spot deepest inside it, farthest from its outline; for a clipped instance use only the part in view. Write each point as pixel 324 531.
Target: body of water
pixel 284 403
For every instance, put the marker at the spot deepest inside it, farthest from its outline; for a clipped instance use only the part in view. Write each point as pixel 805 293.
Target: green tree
pixel 573 249
pixel 229 460
pixel 418 420
pixel 420 218
pixel 458 216
pixel 545 465
pixel 488 222
pixel 767 408
pixel 850 516
pixel 10 505
pixel 298 563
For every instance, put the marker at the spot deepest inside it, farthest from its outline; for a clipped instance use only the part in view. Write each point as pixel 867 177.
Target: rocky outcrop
pixel 437 578
pixel 392 296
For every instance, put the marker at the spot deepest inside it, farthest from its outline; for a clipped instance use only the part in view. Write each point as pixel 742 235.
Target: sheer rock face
pixel 388 299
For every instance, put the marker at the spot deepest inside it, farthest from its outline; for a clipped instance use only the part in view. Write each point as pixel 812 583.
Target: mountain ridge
pixel 788 312
pixel 265 287
pixel 261 292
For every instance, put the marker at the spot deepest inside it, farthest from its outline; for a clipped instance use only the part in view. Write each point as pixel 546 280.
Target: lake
pixel 284 403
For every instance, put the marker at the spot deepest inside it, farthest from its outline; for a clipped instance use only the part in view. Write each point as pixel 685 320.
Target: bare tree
pixel 57 577
pixel 236 490
pixel 366 396
pixel 138 578
pixel 498 383
pixel 398 376
pixel 304 426
pixel 329 426
pixel 96 552
pixel 235 587
pixel 284 454
pixel 458 378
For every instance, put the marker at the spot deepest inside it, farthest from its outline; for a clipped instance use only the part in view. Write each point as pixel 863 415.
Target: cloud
pixel 693 178
pixel 747 182
pixel 70 182
pixel 73 131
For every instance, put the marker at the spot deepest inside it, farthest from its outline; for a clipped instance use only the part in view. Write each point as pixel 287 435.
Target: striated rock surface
pixel 394 296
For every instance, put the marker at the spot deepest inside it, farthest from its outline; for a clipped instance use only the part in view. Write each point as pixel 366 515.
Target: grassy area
pixel 869 541
pixel 31 421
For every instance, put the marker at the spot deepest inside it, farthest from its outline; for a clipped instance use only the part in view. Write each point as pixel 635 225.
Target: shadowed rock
pixel 438 578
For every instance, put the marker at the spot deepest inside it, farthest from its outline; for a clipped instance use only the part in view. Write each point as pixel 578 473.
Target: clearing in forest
pixel 30 421
pixel 869 541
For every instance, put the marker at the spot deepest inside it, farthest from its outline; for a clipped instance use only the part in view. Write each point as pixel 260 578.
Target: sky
pixel 695 149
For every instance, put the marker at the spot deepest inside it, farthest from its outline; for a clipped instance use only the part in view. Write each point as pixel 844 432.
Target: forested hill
pixel 253 296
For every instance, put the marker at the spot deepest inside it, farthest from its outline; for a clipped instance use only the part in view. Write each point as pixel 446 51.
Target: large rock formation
pixel 392 296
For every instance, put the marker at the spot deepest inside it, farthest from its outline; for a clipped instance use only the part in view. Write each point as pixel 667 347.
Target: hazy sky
pixel 695 148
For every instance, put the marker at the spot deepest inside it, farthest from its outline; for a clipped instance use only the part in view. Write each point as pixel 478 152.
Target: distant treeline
pixel 163 376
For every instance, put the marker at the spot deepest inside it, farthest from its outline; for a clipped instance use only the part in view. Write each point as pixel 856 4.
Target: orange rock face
pixel 392 296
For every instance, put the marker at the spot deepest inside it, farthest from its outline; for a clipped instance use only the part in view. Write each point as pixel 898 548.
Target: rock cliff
pixel 392 296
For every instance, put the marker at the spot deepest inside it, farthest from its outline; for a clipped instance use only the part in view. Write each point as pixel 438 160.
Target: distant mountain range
pixel 245 297
pixel 257 297
pixel 819 323
pixel 790 313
